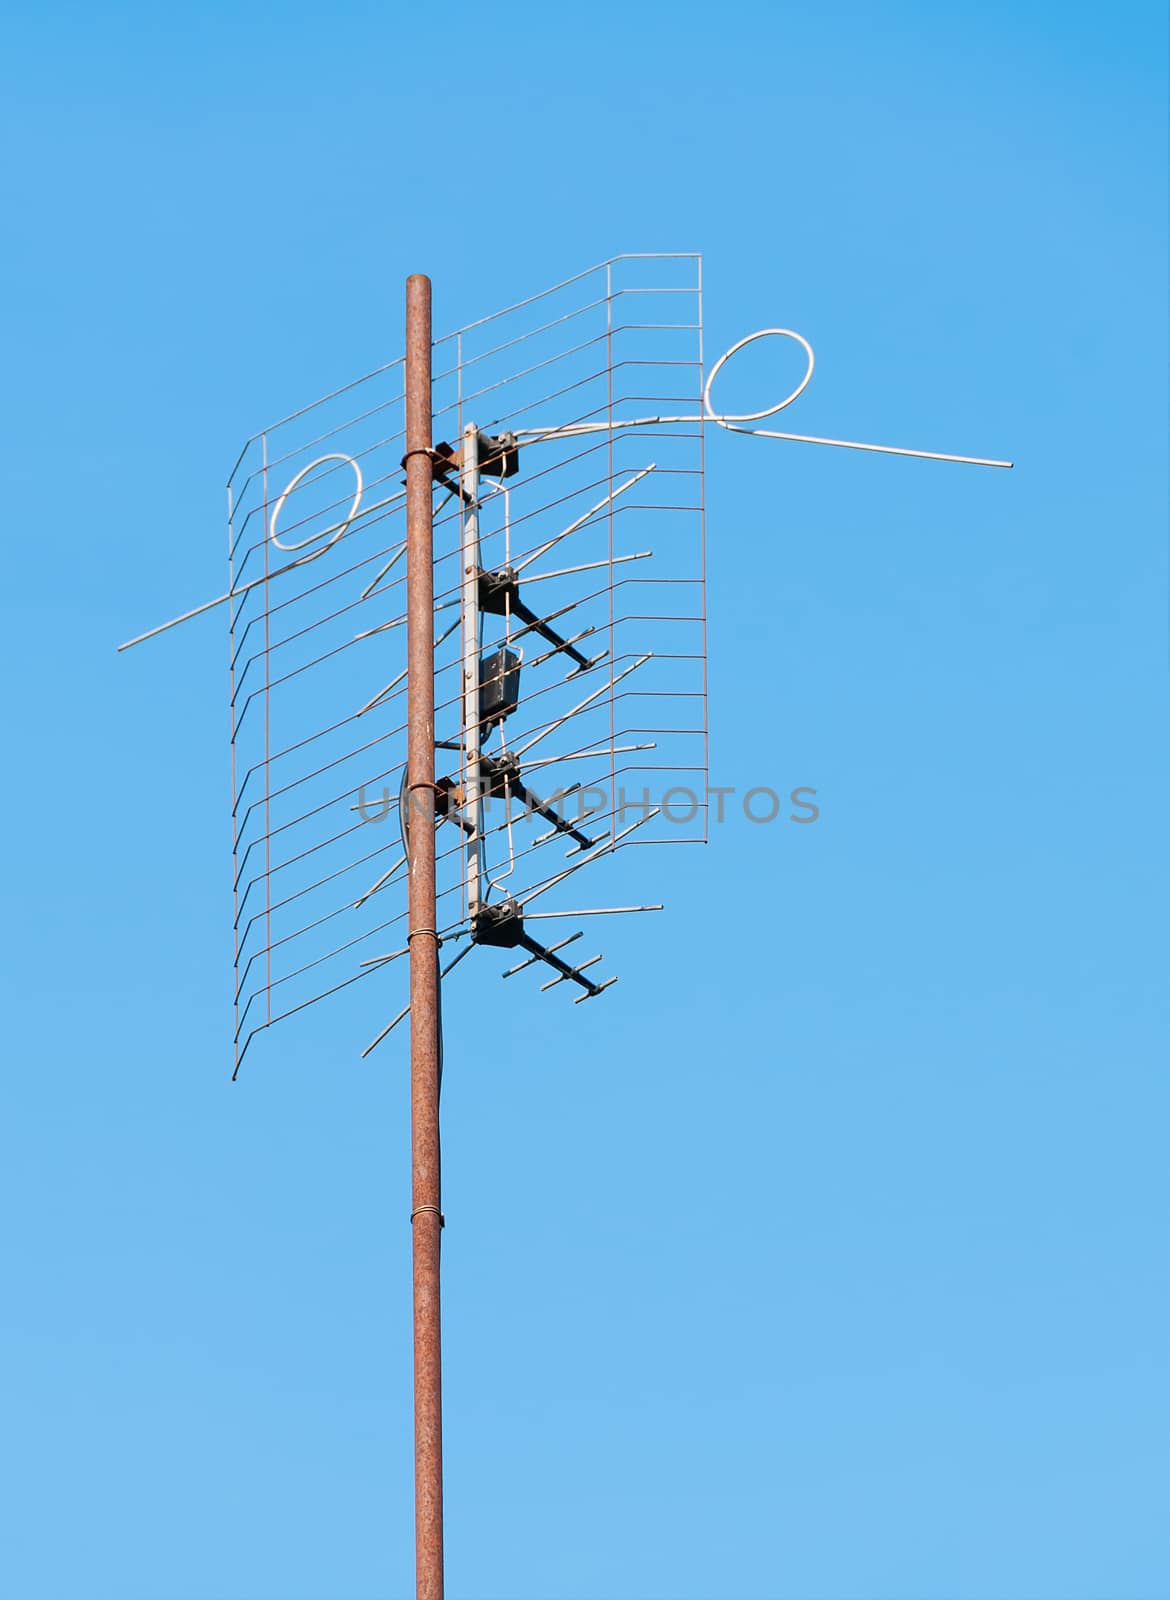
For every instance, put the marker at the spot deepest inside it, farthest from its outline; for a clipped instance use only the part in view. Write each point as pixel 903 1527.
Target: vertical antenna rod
pixel 425 1215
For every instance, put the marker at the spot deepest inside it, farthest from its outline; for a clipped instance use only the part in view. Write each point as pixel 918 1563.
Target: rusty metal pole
pixel 426 1218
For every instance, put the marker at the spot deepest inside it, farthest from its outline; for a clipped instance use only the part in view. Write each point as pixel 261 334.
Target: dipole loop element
pixel 724 418
pixel 333 533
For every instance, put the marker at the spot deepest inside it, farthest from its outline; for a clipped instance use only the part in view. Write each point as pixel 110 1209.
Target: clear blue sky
pixel 825 1258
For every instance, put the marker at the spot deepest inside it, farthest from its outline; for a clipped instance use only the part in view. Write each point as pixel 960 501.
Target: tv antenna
pixel 486 636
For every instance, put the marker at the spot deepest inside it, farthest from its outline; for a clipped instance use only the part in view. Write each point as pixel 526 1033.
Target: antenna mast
pixel 426 1217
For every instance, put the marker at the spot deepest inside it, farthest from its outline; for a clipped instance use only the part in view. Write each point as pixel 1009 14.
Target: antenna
pixel 467 621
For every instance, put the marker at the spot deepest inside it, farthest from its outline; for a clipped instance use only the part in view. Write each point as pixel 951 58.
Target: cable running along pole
pixel 426 1214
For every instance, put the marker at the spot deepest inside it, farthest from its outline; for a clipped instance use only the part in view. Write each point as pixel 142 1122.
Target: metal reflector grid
pixel 603 529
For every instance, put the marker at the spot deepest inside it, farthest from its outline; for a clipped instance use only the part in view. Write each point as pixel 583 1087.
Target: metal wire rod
pixel 302 855
pixel 389 1028
pixel 589 566
pixel 575 755
pixel 319 883
pixel 394 559
pixel 376 372
pixel 600 911
pixel 405 1012
pixel 381 961
pixel 733 423
pixel 398 622
pixel 292 1011
pixel 296 599
pixel 317 772
pixel 235 593
pixel 581 705
pixel 587 860
pixel 470 397
pixel 382 881
pixel 581 521
pixel 291 749
pixel 298 933
pixel 383 693
pixel 581 380
pixel 329 955
pixel 401 678
pixel 567 283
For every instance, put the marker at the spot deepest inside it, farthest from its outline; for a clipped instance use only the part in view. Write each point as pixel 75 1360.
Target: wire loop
pixel 725 417
pixel 338 528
